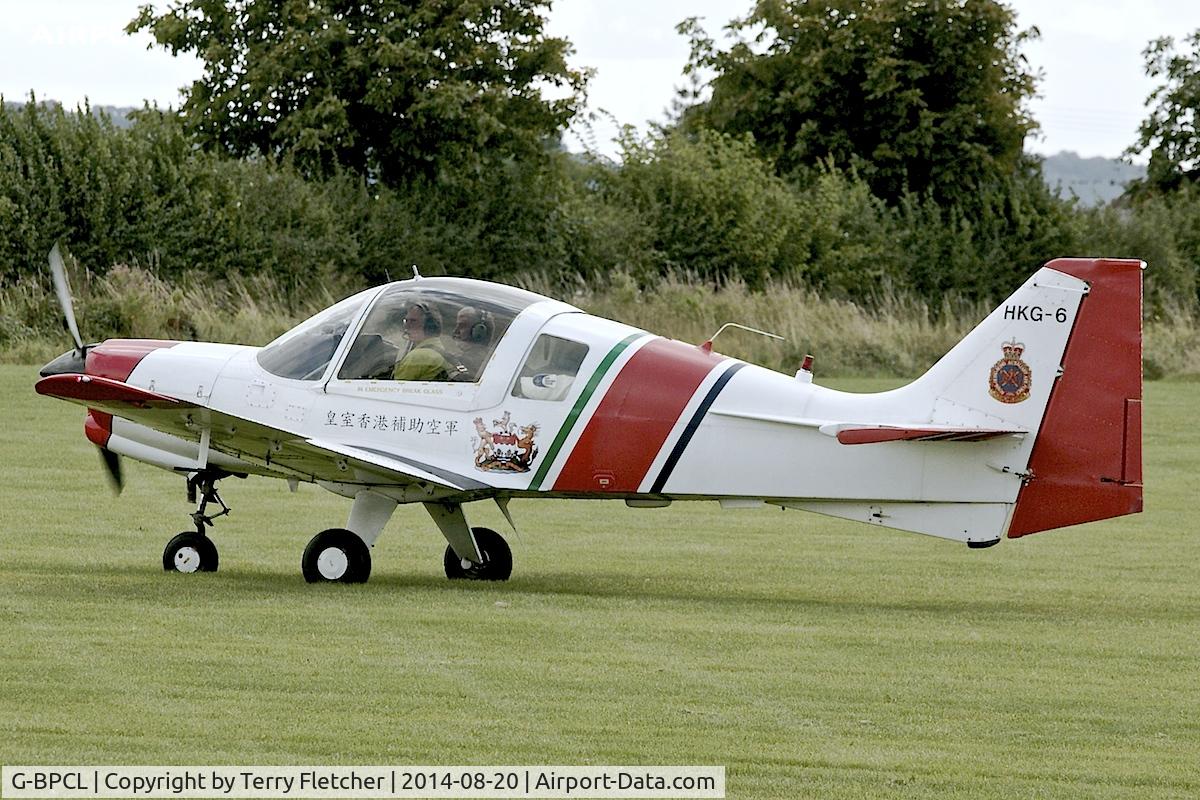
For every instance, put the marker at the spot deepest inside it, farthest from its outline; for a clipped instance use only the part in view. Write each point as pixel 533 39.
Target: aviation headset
pixel 481 331
pixel 432 319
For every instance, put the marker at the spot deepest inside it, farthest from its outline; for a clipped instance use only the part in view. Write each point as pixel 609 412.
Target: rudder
pixel 1086 462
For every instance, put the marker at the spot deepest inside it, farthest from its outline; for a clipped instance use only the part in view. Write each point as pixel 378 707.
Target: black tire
pixel 336 556
pixel 497 559
pixel 190 552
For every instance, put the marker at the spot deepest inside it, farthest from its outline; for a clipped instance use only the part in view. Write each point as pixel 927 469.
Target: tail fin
pixel 1087 459
pixel 1061 358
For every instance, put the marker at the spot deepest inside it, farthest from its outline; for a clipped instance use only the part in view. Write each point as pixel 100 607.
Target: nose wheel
pixel 190 552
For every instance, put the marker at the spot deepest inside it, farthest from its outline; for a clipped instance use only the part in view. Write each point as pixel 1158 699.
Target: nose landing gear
pixel 193 551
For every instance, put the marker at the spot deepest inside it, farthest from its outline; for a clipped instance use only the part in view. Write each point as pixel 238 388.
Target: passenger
pixel 426 360
pixel 473 331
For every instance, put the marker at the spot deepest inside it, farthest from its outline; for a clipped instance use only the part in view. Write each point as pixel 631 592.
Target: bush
pixel 711 206
pixel 1161 230
pixel 145 196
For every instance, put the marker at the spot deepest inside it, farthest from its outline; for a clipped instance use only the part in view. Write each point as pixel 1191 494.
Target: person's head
pixel 422 321
pixel 473 326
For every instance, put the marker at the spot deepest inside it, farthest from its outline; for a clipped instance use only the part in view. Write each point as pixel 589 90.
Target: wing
pixel 272 450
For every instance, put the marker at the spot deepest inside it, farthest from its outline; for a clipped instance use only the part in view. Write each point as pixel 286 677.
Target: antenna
pixel 416 274
pixel 708 345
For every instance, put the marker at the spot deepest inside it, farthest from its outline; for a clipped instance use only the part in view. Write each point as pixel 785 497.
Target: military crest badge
pixel 506 447
pixel 1010 376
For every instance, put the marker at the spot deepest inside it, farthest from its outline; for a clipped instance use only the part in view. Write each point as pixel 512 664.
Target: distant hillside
pixel 1095 181
pixel 118 114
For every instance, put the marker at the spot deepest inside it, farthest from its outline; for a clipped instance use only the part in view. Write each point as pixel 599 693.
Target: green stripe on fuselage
pixel 573 417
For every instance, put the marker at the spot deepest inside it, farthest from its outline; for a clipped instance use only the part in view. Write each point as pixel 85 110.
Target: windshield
pixel 433 330
pixel 304 352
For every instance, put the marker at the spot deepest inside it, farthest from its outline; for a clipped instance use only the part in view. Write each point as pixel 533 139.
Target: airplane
pixel 445 391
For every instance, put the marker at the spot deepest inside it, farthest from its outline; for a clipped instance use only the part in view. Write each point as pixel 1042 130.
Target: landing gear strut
pixel 193 551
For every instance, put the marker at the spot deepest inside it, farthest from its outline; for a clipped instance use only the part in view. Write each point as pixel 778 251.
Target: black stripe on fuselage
pixel 690 430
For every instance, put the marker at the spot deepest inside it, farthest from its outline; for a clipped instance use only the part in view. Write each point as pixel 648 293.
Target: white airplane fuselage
pixel 651 420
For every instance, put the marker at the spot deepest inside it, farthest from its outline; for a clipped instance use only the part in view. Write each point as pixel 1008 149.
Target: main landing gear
pixel 336 555
pixel 193 551
pixel 497 559
pixel 343 555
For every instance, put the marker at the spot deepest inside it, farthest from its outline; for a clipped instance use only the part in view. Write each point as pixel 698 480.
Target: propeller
pixel 63 289
pixel 75 361
pixel 72 361
pixel 112 466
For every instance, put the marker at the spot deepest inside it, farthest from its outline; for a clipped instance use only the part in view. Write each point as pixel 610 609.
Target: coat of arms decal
pixel 507 448
pixel 1010 377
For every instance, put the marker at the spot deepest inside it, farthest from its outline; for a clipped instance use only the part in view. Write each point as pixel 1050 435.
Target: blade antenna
pixel 61 288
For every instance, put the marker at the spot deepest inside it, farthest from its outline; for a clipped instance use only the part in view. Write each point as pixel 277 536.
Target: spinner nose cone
pixel 72 362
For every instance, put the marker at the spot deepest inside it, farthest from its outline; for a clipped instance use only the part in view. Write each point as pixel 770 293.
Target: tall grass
pixel 134 302
pixel 896 335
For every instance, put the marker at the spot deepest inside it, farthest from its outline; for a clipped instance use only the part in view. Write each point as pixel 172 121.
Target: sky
pixel 1092 93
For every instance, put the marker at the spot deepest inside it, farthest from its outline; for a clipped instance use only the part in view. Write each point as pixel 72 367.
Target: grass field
pixel 812 657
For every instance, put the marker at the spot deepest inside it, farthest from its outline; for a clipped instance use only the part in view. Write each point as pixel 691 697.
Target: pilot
pixel 473 331
pixel 427 359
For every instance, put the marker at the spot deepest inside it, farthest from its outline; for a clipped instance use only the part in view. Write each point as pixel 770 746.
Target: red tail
pixel 1087 461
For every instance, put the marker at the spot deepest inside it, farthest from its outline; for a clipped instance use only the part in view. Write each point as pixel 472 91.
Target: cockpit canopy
pixel 304 352
pixel 427 329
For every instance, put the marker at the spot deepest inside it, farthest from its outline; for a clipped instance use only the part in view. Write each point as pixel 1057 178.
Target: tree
pixel 390 89
pixel 916 95
pixel 1172 131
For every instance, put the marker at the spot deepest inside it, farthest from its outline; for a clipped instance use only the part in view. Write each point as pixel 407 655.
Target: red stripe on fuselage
pixel 632 422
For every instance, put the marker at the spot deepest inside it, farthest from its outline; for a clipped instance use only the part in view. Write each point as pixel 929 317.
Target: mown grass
pixel 888 336
pixel 812 657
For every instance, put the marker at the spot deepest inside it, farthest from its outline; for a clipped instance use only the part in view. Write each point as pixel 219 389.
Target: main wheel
pixel 190 552
pixel 337 556
pixel 497 559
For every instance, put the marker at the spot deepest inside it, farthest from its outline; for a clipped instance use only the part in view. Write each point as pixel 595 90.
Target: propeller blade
pixel 63 290
pixel 112 467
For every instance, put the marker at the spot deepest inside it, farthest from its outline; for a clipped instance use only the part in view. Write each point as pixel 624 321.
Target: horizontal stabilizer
pixel 847 434
pixel 875 433
pixel 977 524
pixel 105 394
